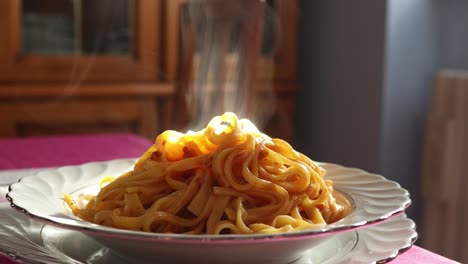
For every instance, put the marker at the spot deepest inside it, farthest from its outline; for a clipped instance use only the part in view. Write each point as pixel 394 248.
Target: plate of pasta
pixel 28 241
pixel 227 193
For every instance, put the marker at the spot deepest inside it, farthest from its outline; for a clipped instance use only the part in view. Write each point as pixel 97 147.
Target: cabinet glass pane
pixel 270 30
pixel 88 27
pixel 203 28
pixel 48 27
pixel 106 26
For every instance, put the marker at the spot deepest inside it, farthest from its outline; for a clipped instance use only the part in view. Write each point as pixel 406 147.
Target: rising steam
pixel 223 40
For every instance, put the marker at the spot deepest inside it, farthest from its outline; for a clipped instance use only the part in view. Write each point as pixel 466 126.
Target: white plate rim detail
pixel 40 196
pixel 16 227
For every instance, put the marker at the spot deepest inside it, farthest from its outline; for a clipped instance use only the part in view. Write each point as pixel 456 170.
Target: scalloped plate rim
pixel 353 255
pixel 406 243
pixel 94 229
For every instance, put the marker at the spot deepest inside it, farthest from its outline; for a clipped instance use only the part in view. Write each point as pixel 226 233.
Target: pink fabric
pixel 38 152
pixel 35 152
pixel 418 255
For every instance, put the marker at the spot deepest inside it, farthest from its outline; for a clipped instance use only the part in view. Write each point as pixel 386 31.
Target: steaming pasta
pixel 228 178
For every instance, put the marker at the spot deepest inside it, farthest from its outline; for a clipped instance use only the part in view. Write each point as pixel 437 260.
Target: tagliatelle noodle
pixel 228 178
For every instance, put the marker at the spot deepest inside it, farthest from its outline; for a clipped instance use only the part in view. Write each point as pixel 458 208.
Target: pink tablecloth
pixel 36 152
pixel 71 150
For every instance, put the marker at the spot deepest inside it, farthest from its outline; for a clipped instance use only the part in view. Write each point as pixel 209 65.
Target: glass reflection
pixel 48 27
pixel 106 26
pixel 68 27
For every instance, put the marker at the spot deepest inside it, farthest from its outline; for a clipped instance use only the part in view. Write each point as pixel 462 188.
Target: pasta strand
pixel 228 178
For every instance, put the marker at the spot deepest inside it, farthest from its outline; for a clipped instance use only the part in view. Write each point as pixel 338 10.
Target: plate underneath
pixel 379 243
pixel 77 247
pixel 33 242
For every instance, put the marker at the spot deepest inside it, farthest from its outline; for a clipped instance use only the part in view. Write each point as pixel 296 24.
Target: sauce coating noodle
pixel 228 178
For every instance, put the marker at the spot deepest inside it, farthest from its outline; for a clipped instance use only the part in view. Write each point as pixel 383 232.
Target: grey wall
pixel 341 75
pixel 412 57
pixel 454 34
pixel 366 72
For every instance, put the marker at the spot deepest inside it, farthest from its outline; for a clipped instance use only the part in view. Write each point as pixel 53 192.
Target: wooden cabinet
pixel 140 63
pixel 67 68
pixel 85 66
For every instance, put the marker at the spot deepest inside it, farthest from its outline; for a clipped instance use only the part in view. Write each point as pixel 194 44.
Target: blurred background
pixel 378 85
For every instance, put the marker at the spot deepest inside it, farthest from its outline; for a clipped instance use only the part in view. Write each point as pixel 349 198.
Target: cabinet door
pixel 80 40
pixel 278 39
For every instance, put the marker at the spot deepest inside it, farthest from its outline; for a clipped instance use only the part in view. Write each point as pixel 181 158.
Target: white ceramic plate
pixel 375 198
pixel 30 241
